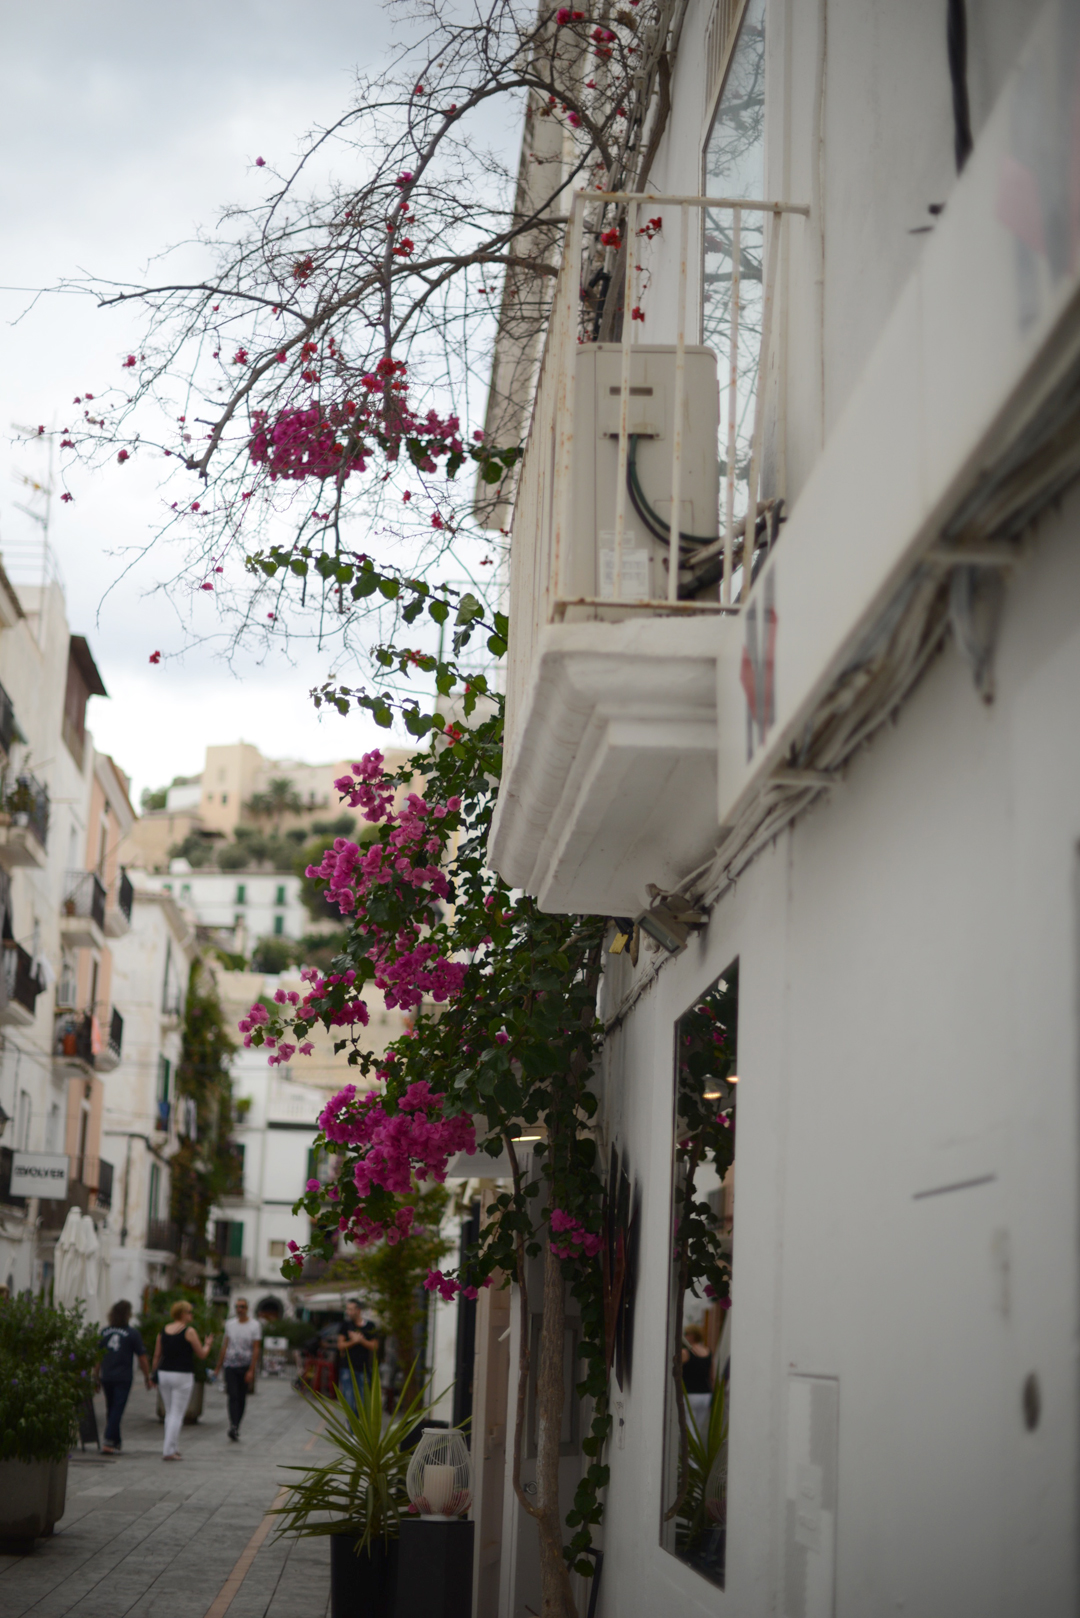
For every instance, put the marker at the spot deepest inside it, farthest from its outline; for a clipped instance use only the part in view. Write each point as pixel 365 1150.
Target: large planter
pixel 194 1409
pixel 362 1586
pixel 24 1504
pixel 57 1503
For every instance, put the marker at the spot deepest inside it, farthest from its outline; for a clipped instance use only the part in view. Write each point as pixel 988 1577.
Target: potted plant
pixel 358 1498
pixel 156 1315
pixel 46 1362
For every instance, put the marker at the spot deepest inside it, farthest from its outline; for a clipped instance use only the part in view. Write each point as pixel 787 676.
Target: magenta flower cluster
pixel 448 1288
pixel 576 1240
pixel 415 1141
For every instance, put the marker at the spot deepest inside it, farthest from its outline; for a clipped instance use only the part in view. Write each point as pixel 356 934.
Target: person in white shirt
pixel 240 1357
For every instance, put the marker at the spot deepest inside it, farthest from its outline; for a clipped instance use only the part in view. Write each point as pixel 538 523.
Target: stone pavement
pixel 151 1539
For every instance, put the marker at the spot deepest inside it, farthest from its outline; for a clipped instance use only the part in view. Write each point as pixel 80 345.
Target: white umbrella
pixel 104 1291
pixel 67 1261
pixel 89 1252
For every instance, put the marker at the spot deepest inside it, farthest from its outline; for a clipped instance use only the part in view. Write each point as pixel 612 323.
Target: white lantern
pixel 439 1479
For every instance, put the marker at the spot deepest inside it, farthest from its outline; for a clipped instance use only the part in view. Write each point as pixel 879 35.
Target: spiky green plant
pixel 362 1490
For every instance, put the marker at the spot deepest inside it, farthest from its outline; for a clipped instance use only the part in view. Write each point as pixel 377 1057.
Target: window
pixel 280 896
pixel 279 925
pixel 693 1509
pixel 52 1140
pixel 164 1068
pixel 167 886
pixel 228 1237
pixel 153 1196
pixel 735 167
pixel 68 982
pixel 241 891
pixel 276 1249
pixel 22 1122
pixel 224 797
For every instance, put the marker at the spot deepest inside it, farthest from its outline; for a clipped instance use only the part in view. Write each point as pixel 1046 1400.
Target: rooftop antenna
pixel 39 506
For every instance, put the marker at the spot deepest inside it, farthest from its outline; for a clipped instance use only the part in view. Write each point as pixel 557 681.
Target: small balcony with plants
pixel 118 905
pixel 82 914
pixel 24 821
pixel 19 987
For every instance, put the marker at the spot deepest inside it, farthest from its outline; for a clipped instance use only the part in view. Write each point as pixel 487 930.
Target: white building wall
pixel 268 903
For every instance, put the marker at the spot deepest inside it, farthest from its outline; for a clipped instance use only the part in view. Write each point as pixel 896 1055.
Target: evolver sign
pixel 39 1174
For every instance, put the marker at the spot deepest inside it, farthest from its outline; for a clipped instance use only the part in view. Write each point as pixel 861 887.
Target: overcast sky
pixel 124 126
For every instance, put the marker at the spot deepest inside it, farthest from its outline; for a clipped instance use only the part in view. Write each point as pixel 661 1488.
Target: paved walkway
pixel 148 1539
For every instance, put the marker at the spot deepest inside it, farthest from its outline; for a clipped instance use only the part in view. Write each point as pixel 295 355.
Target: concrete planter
pixel 24 1503
pixel 57 1503
pixel 194 1409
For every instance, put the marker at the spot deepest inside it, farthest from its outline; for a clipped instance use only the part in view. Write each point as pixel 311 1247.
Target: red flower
pixel 206 586
pixel 194 505
pixel 129 362
pixel 436 520
pixel 123 456
pixel 260 162
pixel 66 497
pixel 240 357
pixel 610 238
pixel 637 313
pixel 155 657
pixel 419 91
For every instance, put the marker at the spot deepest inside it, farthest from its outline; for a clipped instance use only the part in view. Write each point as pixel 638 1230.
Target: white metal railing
pixel 543 512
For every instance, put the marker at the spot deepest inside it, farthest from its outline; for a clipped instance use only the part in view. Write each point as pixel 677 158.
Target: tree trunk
pixel 557 1600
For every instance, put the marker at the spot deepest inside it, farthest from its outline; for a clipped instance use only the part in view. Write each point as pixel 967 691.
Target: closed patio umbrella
pixel 67 1262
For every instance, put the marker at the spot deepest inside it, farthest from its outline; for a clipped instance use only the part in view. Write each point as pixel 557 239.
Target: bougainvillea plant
pixel 502 1041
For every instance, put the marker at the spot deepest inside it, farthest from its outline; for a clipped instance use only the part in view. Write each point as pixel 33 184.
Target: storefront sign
pixel 39 1174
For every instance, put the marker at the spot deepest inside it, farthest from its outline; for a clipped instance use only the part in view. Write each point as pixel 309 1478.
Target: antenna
pixel 39 508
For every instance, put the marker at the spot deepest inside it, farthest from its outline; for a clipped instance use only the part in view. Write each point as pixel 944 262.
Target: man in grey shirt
pixel 240 1357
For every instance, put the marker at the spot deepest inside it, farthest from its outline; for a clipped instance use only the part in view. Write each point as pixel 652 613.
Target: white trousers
pixel 175 1389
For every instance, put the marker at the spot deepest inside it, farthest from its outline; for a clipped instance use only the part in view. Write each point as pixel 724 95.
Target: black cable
pixel 656 526
pixel 956 39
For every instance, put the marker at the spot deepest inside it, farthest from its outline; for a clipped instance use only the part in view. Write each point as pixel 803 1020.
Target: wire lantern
pixel 439 1478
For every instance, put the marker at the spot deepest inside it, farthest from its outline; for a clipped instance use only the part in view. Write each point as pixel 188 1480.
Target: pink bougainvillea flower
pixel 123 456
pixel 260 162
pixel 155 657
pixel 67 498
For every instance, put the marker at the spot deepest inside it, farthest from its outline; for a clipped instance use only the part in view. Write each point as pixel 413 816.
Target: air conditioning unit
pixel 589 569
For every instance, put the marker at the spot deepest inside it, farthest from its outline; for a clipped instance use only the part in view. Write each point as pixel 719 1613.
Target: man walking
pixel 240 1356
pixel 121 1345
pixel 357 1342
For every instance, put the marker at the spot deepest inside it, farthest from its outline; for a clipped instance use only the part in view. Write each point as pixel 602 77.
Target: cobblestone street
pixel 190 1540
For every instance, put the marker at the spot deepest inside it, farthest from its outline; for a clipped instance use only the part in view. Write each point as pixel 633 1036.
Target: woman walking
pixel 174 1361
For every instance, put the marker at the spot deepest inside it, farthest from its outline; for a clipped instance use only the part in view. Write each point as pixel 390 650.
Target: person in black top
pixel 697 1375
pixel 174 1361
pixel 357 1342
pixel 121 1346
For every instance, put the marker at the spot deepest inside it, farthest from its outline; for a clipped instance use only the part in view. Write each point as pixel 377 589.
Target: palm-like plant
pixel 362 1490
pixel 705 1449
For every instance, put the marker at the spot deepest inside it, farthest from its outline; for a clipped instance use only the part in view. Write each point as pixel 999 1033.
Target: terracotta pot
pixel 194 1409
pixel 24 1504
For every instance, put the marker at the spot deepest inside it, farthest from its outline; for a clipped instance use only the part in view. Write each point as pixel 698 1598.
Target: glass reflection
pixel 735 167
pixel 694 1513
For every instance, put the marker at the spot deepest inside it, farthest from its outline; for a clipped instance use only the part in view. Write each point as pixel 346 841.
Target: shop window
pixel 697 1362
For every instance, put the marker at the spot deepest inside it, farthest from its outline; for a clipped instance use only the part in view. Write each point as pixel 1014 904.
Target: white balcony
pixel 610 782
pixel 82 915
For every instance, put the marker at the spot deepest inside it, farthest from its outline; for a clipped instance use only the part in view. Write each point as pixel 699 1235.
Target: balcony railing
pixel 6 1156
pixel 7 721
pixel 163 1235
pixel 622 453
pixel 21 987
pixel 84 897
